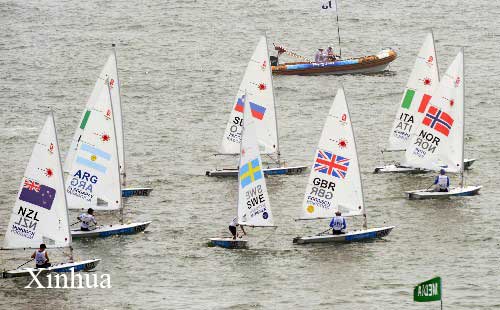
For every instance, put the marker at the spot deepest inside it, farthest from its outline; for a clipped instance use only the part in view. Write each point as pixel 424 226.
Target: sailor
pixel 330 54
pixel 338 224
pixel 232 227
pixel 319 56
pixel 87 219
pixel 41 257
pixel 442 182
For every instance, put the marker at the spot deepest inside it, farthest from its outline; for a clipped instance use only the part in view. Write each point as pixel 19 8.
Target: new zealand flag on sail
pixel 37 194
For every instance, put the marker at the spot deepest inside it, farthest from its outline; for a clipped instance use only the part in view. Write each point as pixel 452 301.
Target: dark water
pixel 180 63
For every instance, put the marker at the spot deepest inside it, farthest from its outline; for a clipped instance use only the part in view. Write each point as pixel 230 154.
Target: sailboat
pixel 110 71
pixel 439 138
pixel 40 214
pixel 421 85
pixel 335 180
pixel 94 175
pixel 258 80
pixel 254 209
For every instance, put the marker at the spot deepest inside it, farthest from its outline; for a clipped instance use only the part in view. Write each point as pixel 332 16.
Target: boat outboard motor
pixel 274 60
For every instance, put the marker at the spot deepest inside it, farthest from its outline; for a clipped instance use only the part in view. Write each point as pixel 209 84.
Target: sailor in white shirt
pixel 87 219
pixel 319 56
pixel 232 228
pixel 41 257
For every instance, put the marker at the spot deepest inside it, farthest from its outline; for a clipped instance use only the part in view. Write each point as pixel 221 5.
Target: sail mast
pixel 338 28
pixel 274 106
pixel 462 178
pixel 116 146
pixel 241 159
pixel 62 180
pixel 365 220
pixel 124 175
pixel 435 55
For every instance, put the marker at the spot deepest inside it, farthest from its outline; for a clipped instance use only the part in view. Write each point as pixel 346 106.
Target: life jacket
pixel 338 223
pixel 443 181
pixel 86 219
pixel 40 258
pixel 234 222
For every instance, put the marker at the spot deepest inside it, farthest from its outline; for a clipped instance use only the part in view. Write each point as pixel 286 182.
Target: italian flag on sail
pixel 409 99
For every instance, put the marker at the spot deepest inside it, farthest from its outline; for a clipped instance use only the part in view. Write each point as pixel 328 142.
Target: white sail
pixel 438 140
pixel 423 80
pixel 94 174
pixel 335 180
pixel 109 71
pixel 40 214
pixel 257 82
pixel 254 208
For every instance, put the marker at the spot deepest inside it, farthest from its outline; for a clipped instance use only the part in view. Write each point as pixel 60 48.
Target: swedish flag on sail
pixel 250 172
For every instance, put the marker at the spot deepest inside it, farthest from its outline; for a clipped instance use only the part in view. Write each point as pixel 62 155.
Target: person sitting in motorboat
pixel 338 224
pixel 442 182
pixel 330 54
pixel 41 257
pixel 232 228
pixel 87 219
pixel 319 56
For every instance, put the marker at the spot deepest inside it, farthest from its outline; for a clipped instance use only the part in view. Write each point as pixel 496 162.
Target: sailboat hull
pixel 396 168
pixel 457 191
pixel 353 236
pixel 367 64
pixel 136 191
pixel 62 267
pixel 233 172
pixel 228 243
pixel 111 230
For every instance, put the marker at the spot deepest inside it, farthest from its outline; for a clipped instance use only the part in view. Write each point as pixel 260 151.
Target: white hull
pixel 62 267
pixel 109 230
pixel 228 243
pixel 233 172
pixel 395 168
pixel 457 191
pixel 352 236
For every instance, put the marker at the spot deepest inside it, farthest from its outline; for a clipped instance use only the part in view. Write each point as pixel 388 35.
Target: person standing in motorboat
pixel 442 182
pixel 319 56
pixel 338 224
pixel 232 228
pixel 87 219
pixel 41 257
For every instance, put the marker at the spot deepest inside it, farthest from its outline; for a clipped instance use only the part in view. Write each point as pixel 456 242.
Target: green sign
pixel 428 291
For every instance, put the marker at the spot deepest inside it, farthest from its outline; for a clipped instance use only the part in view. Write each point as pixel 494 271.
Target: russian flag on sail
pixel 258 111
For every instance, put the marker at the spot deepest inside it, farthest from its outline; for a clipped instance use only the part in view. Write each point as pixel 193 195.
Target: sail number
pixel 323 188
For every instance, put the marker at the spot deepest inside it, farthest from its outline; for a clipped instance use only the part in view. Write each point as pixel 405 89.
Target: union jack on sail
pixel 331 164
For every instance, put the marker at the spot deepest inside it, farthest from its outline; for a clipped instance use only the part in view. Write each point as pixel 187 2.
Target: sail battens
pixel 254 208
pixel 335 181
pixel 40 212
pixel 257 83
pixel 94 174
pixel 110 73
pixel 438 140
pixel 421 84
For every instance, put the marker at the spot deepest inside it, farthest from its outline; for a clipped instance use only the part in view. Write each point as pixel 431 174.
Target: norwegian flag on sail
pixel 439 120
pixel 331 164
